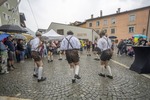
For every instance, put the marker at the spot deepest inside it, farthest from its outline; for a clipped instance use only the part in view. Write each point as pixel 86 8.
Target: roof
pixel 119 13
pixel 69 25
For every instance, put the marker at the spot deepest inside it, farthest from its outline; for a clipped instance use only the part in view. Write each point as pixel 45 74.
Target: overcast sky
pixel 66 11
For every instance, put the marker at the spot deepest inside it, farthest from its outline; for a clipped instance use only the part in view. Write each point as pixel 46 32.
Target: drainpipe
pixel 92 35
pixel 148 26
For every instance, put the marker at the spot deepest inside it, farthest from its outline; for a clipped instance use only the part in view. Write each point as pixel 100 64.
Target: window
pixel 113 31
pixel 113 21
pixel 5 16
pixel 105 22
pixel 8 17
pixel 98 31
pixel 132 18
pixel 6 5
pixel 131 29
pixel 60 31
pixel 90 24
pixel 97 23
pixel 105 30
pixel 15 21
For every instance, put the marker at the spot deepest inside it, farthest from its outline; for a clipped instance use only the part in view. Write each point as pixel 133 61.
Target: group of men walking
pixel 71 45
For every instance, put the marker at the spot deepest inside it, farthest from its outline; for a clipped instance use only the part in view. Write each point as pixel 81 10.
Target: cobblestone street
pixel 126 85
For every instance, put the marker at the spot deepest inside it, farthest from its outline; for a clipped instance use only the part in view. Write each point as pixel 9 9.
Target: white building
pixel 81 33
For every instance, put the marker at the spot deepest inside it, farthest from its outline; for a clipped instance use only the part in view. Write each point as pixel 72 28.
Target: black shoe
pixel 111 77
pixel 13 67
pixel 77 77
pixel 10 69
pixel 73 80
pixel 42 79
pixel 60 59
pixel 35 75
pixel 96 59
pixel 51 60
pixel 103 75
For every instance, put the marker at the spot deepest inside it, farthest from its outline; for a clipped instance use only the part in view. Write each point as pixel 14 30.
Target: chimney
pixel 101 13
pixel 92 16
pixel 118 10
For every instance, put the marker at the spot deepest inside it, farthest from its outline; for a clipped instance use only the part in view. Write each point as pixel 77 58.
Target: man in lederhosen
pixel 71 45
pixel 38 68
pixel 104 43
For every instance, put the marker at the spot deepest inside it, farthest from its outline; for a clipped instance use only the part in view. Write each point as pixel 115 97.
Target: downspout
pixel 92 36
pixel 148 27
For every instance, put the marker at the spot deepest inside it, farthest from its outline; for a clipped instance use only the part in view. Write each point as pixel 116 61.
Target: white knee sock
pixel 109 70
pixel 40 72
pixel 48 57
pixel 35 70
pixel 97 56
pixel 72 72
pixel 77 69
pixel 60 56
pixel 102 69
pixel 51 57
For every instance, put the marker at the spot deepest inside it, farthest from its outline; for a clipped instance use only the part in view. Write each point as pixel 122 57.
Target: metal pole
pixel 148 27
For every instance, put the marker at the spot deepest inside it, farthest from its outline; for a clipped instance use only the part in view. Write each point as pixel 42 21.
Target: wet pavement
pixel 126 85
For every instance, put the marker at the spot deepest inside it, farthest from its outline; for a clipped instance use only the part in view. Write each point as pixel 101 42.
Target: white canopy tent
pixel 52 35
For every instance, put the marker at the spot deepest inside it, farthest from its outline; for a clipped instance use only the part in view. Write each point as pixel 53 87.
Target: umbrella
pixel 12 28
pixel 139 35
pixel 28 36
pixel 3 36
pixel 19 36
pixel 112 37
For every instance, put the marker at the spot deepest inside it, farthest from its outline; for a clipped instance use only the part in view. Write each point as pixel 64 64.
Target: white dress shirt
pixel 74 42
pixel 34 44
pixel 104 43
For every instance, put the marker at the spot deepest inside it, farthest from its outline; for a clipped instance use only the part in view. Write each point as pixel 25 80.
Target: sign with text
pixel 81 34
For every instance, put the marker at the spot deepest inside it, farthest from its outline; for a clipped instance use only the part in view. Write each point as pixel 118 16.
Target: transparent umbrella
pixel 19 36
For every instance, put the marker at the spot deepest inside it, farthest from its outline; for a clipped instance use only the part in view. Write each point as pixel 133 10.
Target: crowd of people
pixel 17 50
pixel 125 46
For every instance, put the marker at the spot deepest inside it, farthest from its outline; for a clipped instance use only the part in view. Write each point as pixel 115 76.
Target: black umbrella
pixel 112 37
pixel 12 28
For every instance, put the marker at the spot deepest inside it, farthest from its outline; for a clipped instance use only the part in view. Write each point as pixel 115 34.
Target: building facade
pixel 79 32
pixel 121 24
pixel 9 13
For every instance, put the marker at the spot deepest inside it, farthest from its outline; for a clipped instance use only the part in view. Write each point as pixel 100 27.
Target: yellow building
pixel 122 24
